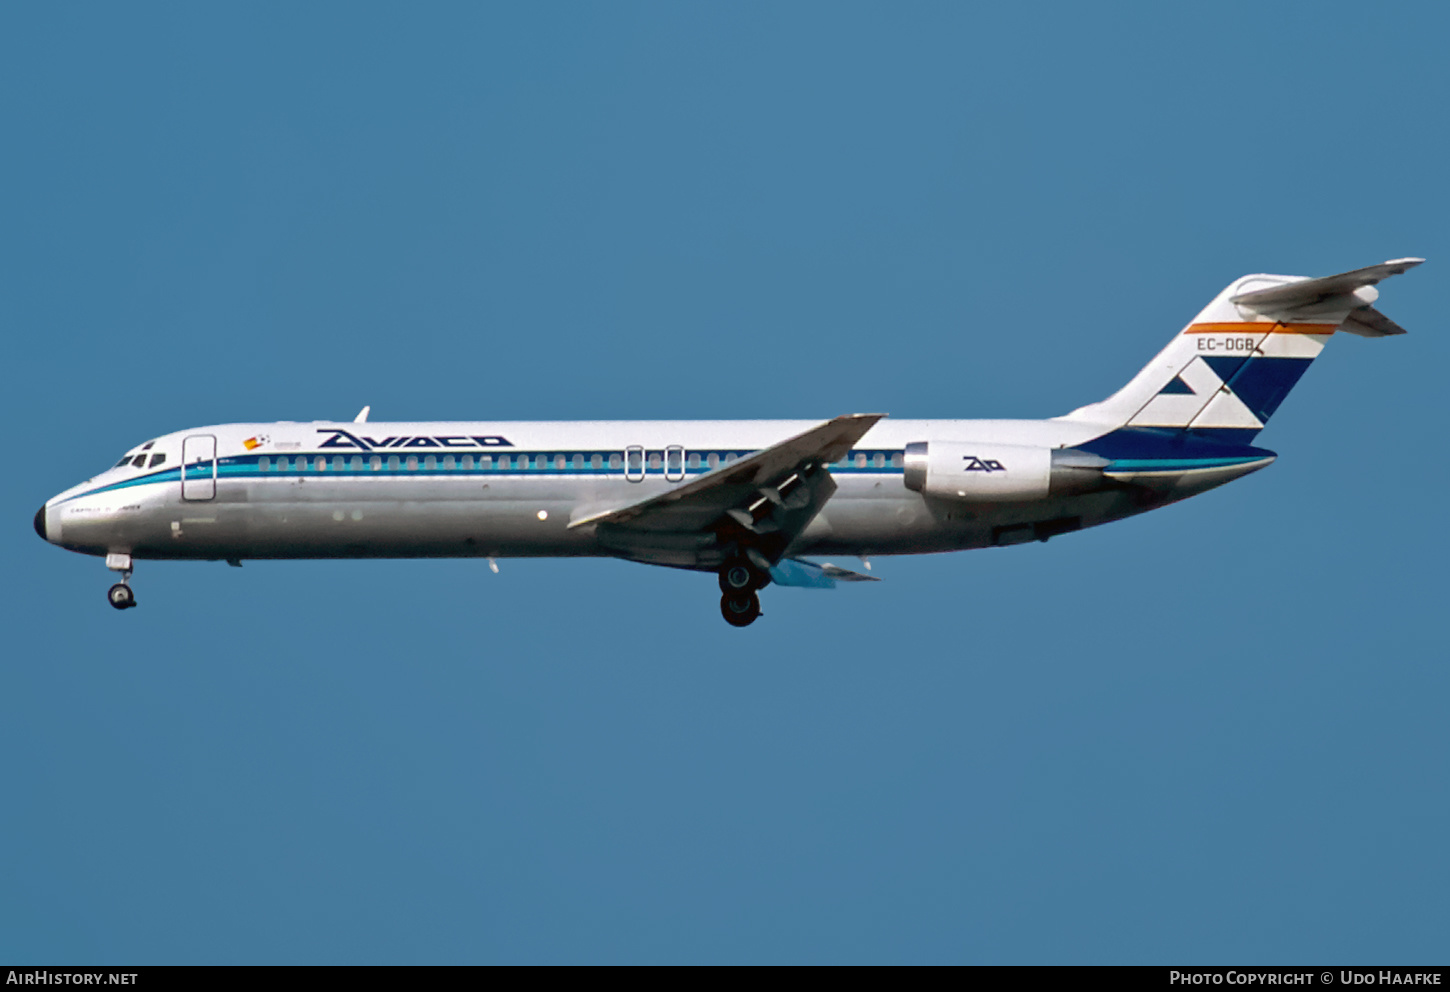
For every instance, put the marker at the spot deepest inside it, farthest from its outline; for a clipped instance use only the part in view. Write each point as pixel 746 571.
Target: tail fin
pixel 1227 372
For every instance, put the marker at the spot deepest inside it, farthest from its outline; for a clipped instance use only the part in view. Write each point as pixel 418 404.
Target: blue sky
pixel 1215 733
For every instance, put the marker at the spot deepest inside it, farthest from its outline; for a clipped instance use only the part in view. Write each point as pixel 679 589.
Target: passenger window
pixel 896 459
pixel 282 464
pixel 654 461
pixel 375 462
pixel 578 461
pixel 713 460
pixel 157 459
pixel 729 457
pixel 503 462
pixel 861 460
pixel 485 461
pixel 694 459
pixel 355 463
pixel 337 463
pixel 264 463
pixel 320 463
pixel 878 459
pixel 448 462
pixel 468 463
pixel 615 462
pixel 596 461
pixel 412 463
pixel 430 463
pixel 393 463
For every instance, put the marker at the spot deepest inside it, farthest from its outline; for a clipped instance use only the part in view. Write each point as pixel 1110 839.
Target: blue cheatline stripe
pixel 249 467
pixel 1169 443
pixel 170 475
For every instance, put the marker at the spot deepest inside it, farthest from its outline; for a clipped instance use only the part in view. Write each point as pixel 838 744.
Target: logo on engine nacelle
pixel 975 464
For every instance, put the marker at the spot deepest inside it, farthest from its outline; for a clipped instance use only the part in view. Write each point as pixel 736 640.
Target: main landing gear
pixel 120 595
pixel 740 609
pixel 739 580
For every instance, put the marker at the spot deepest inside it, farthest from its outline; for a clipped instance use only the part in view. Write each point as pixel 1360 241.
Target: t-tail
pixel 1225 374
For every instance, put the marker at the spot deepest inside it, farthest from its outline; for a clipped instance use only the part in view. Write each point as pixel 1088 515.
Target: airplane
pixel 751 500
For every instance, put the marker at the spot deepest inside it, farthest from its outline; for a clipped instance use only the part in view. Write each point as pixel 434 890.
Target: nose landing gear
pixel 120 595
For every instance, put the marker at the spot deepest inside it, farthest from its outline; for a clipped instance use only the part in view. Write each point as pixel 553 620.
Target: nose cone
pixel 40 524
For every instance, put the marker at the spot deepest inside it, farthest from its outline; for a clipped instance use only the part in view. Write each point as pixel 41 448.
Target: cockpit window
pixel 139 461
pixel 123 461
pixel 158 458
pixel 147 445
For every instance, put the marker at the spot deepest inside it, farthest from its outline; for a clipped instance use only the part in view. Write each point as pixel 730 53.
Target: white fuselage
pixel 511 489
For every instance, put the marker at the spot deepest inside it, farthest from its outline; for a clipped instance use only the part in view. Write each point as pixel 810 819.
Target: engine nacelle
pixel 999 473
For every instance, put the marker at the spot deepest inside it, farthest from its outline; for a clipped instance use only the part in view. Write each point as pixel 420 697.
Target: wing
pixel 809 575
pixel 755 506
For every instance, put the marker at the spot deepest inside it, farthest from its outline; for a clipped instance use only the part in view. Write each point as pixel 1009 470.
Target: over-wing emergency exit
pixel 750 500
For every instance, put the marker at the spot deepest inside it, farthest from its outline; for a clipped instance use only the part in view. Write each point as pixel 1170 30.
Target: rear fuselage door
pixel 198 467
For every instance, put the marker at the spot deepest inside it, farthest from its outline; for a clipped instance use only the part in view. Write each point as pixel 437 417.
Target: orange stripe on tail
pixel 1260 327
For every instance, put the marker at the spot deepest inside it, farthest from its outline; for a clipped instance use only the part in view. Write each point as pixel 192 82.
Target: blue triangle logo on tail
pixel 1262 383
pixel 1177 388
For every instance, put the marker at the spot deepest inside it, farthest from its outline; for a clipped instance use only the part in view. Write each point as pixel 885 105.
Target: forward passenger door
pixel 198 467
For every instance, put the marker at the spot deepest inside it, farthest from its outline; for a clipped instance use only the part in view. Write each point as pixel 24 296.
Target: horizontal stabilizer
pixel 1303 296
pixel 1368 322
